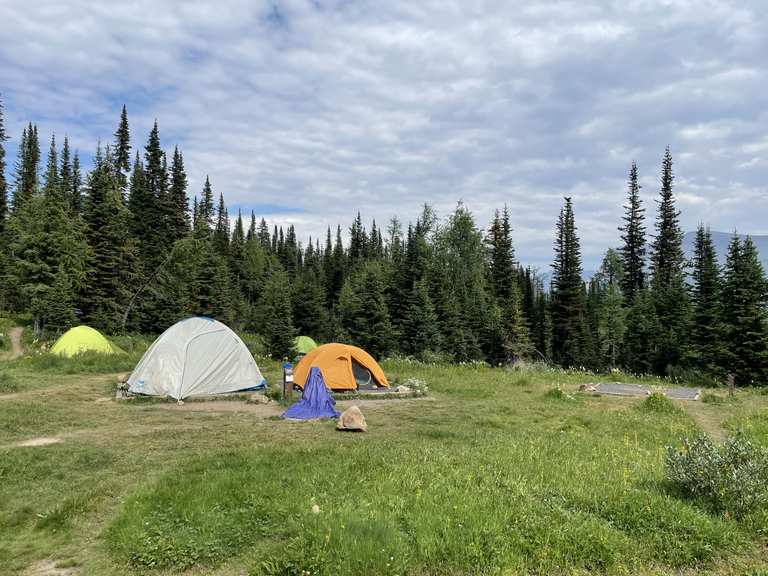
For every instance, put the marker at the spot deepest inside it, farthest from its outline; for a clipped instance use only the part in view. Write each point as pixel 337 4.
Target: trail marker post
pixel 287 380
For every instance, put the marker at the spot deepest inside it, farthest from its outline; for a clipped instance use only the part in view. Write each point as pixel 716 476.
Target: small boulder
pixel 352 419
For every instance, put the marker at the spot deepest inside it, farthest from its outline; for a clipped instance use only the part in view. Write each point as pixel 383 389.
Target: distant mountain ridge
pixel 721 240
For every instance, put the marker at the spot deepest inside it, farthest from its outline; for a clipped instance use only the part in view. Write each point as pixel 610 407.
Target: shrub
pixel 7 383
pixel 417 385
pixel 558 394
pixel 732 478
pixel 658 403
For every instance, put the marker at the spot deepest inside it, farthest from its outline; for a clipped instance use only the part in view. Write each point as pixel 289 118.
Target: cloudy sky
pixel 309 111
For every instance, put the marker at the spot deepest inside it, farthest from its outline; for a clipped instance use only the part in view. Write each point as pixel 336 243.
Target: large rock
pixel 352 419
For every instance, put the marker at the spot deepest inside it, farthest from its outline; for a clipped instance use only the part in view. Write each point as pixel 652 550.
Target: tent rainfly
pixel 83 339
pixel 196 357
pixel 344 367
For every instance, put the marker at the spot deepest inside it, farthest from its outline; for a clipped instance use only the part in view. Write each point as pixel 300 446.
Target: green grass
pixel 495 471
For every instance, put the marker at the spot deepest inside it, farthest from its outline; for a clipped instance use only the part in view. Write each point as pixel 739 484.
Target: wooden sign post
pixel 287 381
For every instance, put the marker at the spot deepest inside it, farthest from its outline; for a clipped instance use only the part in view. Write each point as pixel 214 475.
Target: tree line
pixel 120 248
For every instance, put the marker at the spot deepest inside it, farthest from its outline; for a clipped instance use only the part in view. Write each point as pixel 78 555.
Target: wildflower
pixel 315 509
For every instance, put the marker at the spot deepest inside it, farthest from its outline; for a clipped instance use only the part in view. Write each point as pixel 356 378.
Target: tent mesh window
pixel 363 377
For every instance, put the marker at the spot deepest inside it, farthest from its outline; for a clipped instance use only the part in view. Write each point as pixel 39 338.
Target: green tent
pixel 83 339
pixel 304 344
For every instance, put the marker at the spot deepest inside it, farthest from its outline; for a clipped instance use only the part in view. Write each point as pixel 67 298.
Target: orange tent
pixel 344 367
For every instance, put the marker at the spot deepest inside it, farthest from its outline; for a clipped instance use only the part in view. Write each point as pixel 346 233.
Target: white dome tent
pixel 196 357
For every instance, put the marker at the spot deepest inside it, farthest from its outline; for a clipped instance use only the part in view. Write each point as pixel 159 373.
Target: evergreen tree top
pixel 667 259
pixel 52 169
pixel 123 142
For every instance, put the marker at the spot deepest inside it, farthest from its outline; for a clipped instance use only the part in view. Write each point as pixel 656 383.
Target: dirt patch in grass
pixel 40 441
pixel 265 410
pixel 49 568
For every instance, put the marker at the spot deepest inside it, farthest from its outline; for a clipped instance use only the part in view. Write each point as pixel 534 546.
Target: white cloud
pixel 330 107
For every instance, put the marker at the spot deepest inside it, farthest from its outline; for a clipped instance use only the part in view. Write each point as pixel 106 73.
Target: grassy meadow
pixel 495 472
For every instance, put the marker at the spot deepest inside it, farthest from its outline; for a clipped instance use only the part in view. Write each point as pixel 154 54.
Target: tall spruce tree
pixel 112 255
pixel 75 198
pixel 358 241
pixel 122 147
pixel 143 202
pixel 512 331
pixel 151 234
pixel 335 264
pixel 122 150
pixel 745 294
pixel 569 340
pixel 263 235
pixel 633 237
pixel 179 213
pixel 707 330
pixel 27 179
pixel 65 171
pixel 668 288
pixel 205 220
pixel 221 231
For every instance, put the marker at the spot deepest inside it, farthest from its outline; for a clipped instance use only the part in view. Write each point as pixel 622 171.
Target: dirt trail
pixel 17 350
pixel 48 568
pixel 708 420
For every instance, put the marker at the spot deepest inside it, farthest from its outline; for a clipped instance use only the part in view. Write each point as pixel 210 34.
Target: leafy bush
pixel 658 403
pixel 732 478
pixel 417 385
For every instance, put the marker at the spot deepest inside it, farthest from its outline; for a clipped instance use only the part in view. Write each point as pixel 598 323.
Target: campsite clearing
pixel 489 471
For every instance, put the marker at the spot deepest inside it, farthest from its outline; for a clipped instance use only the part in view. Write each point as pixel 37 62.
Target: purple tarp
pixel 315 401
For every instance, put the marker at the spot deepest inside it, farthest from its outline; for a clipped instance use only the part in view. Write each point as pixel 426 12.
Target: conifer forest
pixel 128 247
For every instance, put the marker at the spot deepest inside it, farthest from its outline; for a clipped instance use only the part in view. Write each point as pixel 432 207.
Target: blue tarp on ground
pixel 315 402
